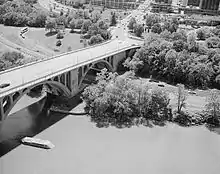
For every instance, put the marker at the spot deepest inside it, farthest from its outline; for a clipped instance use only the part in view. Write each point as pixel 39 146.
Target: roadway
pixel 31 74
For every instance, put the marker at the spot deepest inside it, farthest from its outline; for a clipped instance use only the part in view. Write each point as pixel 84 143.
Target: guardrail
pixel 41 79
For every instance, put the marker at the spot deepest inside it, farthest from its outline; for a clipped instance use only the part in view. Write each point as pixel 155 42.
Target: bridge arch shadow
pixel 12 100
pixel 97 66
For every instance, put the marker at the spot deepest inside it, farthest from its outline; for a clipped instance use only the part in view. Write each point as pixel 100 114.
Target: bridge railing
pixel 54 57
pixel 52 74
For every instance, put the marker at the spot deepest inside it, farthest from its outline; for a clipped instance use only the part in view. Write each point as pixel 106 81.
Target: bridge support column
pixel 65 82
pixel 74 81
pixel 117 58
pixel 1 110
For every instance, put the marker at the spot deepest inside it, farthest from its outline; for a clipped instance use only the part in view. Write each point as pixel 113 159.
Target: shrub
pixel 60 35
pixel 95 39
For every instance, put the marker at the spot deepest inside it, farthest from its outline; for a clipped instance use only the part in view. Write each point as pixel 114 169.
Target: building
pixel 193 3
pixel 209 4
pixel 164 1
pixel 121 4
pixel 161 7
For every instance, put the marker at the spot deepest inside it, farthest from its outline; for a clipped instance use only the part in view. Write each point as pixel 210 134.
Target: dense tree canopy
pixel 169 57
pixel 10 59
pixel 121 100
pixel 21 13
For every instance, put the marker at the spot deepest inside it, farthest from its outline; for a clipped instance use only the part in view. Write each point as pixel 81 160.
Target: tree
pixel 178 45
pixel 79 14
pixel 12 56
pixel 15 19
pixel 113 20
pixel 213 103
pixel 171 25
pixel 4 64
pixel 61 20
pixel 213 42
pixel 123 100
pixel 95 39
pixel 201 35
pixel 103 25
pixel 37 19
pixel 200 74
pixel 95 16
pixel 179 35
pixel 132 23
pixel 93 30
pixel 138 30
pixel 166 35
pixel 72 25
pixel 10 59
pixel 79 23
pixel 85 26
pixel 170 64
pixel 191 41
pixel 181 98
pixel 158 105
pixel 156 28
pixel 86 14
pixel 50 25
pixel 151 20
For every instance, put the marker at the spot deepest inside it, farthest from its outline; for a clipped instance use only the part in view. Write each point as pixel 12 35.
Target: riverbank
pixel 81 147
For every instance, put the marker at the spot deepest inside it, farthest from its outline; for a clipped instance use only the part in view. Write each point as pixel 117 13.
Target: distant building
pixel 193 2
pixel 209 4
pixel 182 2
pixel 121 4
pixel 164 1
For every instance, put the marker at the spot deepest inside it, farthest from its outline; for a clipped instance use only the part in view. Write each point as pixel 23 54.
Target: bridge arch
pixel 88 67
pixel 12 99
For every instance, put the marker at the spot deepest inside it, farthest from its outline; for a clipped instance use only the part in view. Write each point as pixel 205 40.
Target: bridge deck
pixel 32 74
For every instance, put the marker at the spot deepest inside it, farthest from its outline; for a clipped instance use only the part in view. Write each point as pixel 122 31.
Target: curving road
pixel 28 75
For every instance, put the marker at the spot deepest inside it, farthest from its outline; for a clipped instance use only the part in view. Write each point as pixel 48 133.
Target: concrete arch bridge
pixel 63 74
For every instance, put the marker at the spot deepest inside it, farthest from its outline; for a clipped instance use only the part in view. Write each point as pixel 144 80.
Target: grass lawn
pixel 4 48
pixel 195 102
pixel 36 40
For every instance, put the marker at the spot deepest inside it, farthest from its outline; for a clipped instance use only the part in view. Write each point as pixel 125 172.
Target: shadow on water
pixel 29 121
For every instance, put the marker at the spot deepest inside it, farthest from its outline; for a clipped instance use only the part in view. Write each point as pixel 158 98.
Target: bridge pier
pixel 116 59
pixel 74 81
pixel 1 110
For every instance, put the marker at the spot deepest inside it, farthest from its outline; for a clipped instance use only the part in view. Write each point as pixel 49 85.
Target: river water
pixel 28 121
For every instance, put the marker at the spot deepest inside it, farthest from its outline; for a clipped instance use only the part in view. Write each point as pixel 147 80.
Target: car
pixel 192 92
pixel 160 85
pixel 4 85
pixel 152 80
